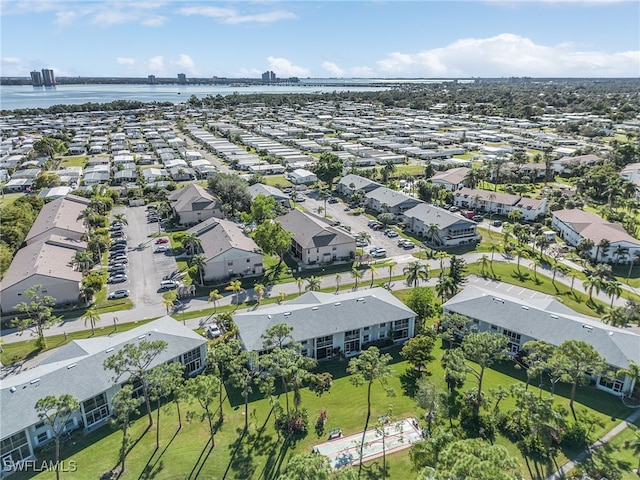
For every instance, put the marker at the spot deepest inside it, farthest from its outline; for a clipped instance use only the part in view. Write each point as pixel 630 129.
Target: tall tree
pixel 417 351
pixel 313 284
pixel 221 355
pixel 357 275
pixel 575 361
pixel 328 167
pixel 537 354
pixel 56 412
pixel 203 389
pixel 134 361
pixel 214 296
pixel 244 375
pixel 415 272
pixel 365 369
pixel 92 317
pixel 123 407
pixel 263 208
pixel 38 314
pixel 232 190
pixel 164 380
pixel 235 286
pixel 199 261
pixel 307 466
pixel 273 239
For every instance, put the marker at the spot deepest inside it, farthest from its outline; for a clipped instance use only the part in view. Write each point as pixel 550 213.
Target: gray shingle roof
pixel 217 236
pixel 311 232
pixel 77 369
pixel 546 320
pixel 61 213
pixel 428 214
pixel 391 197
pixel 317 314
pixel 182 199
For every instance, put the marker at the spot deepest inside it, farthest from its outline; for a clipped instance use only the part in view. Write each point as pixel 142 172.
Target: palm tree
pixel 313 284
pixel 391 267
pixel 603 249
pixel 200 261
pixel 92 316
pixel 259 289
pixel 636 256
pixel 521 252
pixel 83 261
pixel 324 194
pixel 613 289
pixel 281 296
pixel 363 237
pixel 633 372
pixel 86 215
pixel 433 233
pixel 191 242
pixel 492 197
pixel 121 218
pixel 357 275
pixel 214 296
pixel 338 280
pixel 441 256
pixel 484 263
pixel 235 286
pixel 615 316
pixel 590 284
pixel 300 283
pixel 374 272
pixel 168 303
pixel 416 271
pixel 446 288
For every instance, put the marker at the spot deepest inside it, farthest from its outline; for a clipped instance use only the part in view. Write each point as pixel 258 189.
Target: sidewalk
pixel 291 288
pixel 571 464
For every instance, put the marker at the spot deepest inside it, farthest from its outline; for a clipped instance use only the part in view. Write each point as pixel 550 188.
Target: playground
pixel 345 451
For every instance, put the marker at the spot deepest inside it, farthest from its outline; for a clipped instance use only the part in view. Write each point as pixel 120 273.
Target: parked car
pixel 161 249
pixel 477 218
pixel 168 284
pixel 497 223
pixel 118 241
pixel 379 253
pixel 333 200
pixel 162 240
pixel 118 294
pixel 213 331
pixel 120 258
pixel 361 243
pixel 118 278
pixel 392 234
pixel 153 219
pixel 120 247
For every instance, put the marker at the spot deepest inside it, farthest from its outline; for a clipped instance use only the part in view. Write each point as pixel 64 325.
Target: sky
pixel 320 39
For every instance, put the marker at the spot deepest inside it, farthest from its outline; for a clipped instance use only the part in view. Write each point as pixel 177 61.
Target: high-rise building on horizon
pixel 36 78
pixel 151 80
pixel 268 77
pixel 182 79
pixel 48 78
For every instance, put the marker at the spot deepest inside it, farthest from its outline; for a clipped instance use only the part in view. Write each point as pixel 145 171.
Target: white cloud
pixel 333 69
pixel 159 65
pixel 186 64
pixel 284 68
pixel 232 16
pixel 508 55
pixel 125 61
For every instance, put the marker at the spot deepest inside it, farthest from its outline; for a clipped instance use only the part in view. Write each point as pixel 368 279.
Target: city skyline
pixel 426 39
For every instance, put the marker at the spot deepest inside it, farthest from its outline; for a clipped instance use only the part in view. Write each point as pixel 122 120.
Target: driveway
pixel 146 269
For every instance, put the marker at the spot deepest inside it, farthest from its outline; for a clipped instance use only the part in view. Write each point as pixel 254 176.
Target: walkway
pixel 144 312
pixel 571 464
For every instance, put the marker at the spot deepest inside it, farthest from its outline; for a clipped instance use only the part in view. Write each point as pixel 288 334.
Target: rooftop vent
pixel 314 308
pixel 109 350
pixel 71 366
pixel 337 304
pixel 269 316
pixel 588 328
pixel 286 314
pixel 524 307
pixel 554 316
pixel 141 337
pixel 496 299
pixel 35 380
pixel 12 389
pixel 361 299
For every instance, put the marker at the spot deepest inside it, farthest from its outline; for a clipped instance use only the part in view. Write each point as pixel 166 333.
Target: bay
pixel 26 96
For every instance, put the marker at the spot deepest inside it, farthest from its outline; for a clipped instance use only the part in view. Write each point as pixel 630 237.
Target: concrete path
pixel 146 311
pixel 571 464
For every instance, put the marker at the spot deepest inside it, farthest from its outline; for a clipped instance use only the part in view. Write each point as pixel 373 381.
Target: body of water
pixel 26 96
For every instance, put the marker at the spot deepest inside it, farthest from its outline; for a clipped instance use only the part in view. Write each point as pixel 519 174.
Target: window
pixel 15 449
pixel 351 341
pixel 248 260
pixel 365 338
pixel 39 425
pixel 43 437
pixel 401 329
pixel 192 360
pixel 324 347
pixel 334 248
pixel 382 334
pixel 229 263
pixel 493 327
pixel 382 325
pixel 95 409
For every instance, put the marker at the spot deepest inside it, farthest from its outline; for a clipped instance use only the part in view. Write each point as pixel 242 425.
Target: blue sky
pixel 357 38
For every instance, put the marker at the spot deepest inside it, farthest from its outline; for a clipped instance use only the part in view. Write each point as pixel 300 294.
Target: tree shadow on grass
pixel 409 380
pixel 202 458
pixel 273 466
pixel 150 470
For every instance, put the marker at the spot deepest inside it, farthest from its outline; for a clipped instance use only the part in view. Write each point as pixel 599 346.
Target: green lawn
pixel 261 453
pixel 624 451
pixel 73 161
pixel 277 181
pixel 9 198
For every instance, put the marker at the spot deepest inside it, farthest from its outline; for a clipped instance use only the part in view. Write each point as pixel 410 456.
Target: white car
pixel 118 294
pixel 213 331
pixel 161 249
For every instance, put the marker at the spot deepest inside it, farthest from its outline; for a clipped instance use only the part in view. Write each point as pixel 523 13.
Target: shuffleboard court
pixel 345 451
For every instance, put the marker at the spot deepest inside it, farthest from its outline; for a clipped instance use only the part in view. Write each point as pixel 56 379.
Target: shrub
pixel 293 423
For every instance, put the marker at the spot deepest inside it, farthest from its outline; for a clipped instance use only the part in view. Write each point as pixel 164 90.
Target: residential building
pixel 350 184
pixel 228 250
pixel 328 325
pixel 501 203
pixel 452 229
pixel 524 315
pixel 315 241
pixel 566 165
pixel 36 79
pixel 48 77
pixel 385 200
pixel 194 204
pixel 574 225
pixel 182 79
pixel 268 191
pixel 77 369
pixel 62 217
pixel 302 177
pixel 451 179
pixel 46 263
pixel 151 80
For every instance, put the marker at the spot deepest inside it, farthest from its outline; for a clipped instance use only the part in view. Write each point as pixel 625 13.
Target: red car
pixel 162 240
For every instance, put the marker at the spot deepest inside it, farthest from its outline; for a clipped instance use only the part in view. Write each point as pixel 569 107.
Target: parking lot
pixel 358 223
pixel 145 269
